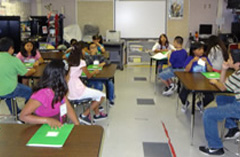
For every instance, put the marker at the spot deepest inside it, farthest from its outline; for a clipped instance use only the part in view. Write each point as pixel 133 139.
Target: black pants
pixel 208 96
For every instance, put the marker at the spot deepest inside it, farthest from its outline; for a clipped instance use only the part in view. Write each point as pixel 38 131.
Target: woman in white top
pixel 162 46
pixel 217 52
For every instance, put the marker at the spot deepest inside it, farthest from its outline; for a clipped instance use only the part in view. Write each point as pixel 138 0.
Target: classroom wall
pixel 17 8
pixel 202 12
pixel 179 26
pixel 66 7
pixel 96 12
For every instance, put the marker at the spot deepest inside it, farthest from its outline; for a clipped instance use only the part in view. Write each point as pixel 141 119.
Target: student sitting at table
pixel 84 46
pixel 67 52
pixel 11 67
pixel 176 63
pixel 97 39
pixel 228 107
pixel 48 97
pixel 196 62
pixel 216 52
pixel 161 46
pixel 29 54
pixel 77 90
pixel 98 59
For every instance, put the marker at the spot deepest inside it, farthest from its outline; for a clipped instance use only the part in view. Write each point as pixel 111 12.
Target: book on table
pixel 211 75
pixel 28 65
pixel 93 67
pixel 45 136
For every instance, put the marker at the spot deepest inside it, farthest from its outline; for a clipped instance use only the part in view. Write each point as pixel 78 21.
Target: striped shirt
pixel 233 84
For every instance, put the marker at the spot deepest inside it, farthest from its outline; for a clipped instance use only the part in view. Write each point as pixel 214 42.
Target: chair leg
pixel 222 129
pixel 14 108
pixel 91 112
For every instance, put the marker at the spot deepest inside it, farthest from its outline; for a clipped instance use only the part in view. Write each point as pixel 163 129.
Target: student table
pixel 82 141
pixel 196 83
pixel 104 75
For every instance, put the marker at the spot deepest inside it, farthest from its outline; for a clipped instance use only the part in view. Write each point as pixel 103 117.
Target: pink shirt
pixel 75 85
pixel 29 58
pixel 45 97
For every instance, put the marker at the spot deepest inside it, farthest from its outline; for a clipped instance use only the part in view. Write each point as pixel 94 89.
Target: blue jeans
pixel 168 73
pixel 99 85
pixel 20 91
pixel 228 108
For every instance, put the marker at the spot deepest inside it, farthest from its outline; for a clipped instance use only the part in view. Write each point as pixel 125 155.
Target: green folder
pixel 28 65
pixel 164 52
pixel 84 75
pixel 94 67
pixel 211 75
pixel 48 137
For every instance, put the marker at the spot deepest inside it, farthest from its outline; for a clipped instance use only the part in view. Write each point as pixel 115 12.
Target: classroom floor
pixel 131 124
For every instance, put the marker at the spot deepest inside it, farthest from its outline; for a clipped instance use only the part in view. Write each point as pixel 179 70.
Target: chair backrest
pixel 235 52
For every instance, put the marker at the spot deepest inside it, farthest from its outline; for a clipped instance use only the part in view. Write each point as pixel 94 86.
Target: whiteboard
pixel 140 19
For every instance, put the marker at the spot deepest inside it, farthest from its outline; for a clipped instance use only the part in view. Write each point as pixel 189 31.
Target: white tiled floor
pixel 129 124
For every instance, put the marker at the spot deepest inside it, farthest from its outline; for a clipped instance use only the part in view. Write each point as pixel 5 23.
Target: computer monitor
pixel 205 29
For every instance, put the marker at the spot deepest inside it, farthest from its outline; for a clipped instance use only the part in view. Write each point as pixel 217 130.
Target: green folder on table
pixel 211 75
pixel 48 137
pixel 28 65
pixel 94 67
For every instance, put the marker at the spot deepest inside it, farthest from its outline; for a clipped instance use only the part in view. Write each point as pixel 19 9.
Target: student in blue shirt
pixel 196 62
pixel 176 63
pixel 99 59
pixel 97 39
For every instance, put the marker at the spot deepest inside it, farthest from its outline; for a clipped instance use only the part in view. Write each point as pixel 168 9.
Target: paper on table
pixel 160 56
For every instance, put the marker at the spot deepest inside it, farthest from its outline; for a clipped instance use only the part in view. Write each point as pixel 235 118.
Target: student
pixel 196 62
pixel 97 39
pixel 161 46
pixel 29 54
pixel 216 52
pixel 84 50
pixel 228 108
pixel 11 67
pixel 48 97
pixel 176 63
pixel 67 52
pixel 77 90
pixel 101 61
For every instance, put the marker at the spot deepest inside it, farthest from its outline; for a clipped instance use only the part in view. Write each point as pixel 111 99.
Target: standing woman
pixel 217 52
pixel 162 46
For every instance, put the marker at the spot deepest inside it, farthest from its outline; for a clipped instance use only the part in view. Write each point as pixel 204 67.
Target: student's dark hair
pixel 213 42
pixel 95 37
pixel 54 77
pixel 72 41
pixel 179 40
pixel 24 52
pixel 160 42
pixel 5 44
pixel 75 54
pixel 194 46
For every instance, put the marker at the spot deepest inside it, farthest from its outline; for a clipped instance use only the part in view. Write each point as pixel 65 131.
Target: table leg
pixel 193 117
pixel 150 69
pixel 107 96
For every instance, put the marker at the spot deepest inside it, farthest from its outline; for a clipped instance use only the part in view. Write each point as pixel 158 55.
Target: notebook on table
pixel 94 67
pixel 45 136
pixel 211 75
pixel 28 65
